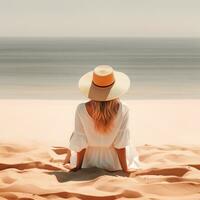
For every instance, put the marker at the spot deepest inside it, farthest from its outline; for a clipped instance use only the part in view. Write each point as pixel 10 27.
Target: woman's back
pixel 100 148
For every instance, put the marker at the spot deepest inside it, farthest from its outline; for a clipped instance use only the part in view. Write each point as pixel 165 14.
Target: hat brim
pixel 117 89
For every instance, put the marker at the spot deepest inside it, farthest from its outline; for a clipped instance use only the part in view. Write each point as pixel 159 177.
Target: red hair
pixel 103 114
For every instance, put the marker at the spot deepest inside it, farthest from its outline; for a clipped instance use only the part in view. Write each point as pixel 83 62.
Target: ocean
pixel 49 68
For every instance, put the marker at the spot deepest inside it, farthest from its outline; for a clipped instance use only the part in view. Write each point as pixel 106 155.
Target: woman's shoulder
pixel 79 108
pixel 125 107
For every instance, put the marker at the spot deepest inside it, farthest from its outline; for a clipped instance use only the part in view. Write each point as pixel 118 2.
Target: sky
pixel 100 18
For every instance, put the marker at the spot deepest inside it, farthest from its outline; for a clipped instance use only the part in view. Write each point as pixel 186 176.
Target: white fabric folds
pixel 100 148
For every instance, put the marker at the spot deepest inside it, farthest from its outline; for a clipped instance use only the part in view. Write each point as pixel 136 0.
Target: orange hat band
pixel 103 81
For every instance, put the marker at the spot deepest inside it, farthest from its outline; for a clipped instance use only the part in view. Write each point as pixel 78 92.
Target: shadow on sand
pixel 84 174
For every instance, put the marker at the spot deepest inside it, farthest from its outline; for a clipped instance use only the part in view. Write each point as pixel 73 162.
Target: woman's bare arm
pixel 67 158
pixel 80 156
pixel 122 158
pixel 79 161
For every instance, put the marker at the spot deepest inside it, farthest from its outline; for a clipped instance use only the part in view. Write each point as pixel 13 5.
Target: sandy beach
pixel 35 133
pixel 36 172
pixel 47 46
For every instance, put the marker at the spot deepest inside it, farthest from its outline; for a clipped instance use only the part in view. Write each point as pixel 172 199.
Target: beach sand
pixel 34 134
pixel 36 172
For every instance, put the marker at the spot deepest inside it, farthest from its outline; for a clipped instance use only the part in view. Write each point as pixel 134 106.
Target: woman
pixel 101 137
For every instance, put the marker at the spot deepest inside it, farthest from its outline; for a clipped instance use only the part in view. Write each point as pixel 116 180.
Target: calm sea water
pixel 49 68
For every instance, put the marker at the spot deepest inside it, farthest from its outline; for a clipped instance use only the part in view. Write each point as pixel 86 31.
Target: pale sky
pixel 100 18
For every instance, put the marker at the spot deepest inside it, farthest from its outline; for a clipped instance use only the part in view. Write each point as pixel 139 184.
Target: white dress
pixel 100 150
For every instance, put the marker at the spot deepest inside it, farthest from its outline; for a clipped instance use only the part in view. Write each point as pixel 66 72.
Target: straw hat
pixel 104 83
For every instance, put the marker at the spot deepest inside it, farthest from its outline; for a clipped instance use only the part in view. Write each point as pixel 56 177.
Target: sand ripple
pixel 168 172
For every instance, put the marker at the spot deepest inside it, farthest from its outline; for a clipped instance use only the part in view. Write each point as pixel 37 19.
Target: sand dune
pixel 36 172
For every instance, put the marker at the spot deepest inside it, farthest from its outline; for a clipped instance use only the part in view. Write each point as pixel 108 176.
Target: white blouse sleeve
pixel 123 136
pixel 78 139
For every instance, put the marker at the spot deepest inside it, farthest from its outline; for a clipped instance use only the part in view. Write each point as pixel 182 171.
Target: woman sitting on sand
pixel 101 137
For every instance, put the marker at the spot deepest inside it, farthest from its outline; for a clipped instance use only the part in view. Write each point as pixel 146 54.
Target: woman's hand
pixel 71 168
pixel 74 169
pixel 130 170
pixel 67 158
pixel 65 162
pixel 80 156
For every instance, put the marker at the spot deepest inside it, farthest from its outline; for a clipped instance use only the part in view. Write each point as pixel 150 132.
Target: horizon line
pixel 194 37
